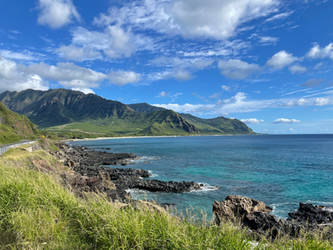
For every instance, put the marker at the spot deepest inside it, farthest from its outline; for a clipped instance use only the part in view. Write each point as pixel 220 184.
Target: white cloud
pixel 13 55
pixel 252 121
pixel 225 88
pixel 178 74
pixel 241 104
pixel 176 62
pixel 313 83
pixel 84 90
pixel 237 69
pixel 286 120
pixel 190 18
pixel 178 68
pixel 67 74
pixel 279 16
pixel 14 79
pixel 162 94
pixel 297 69
pixel 123 77
pixel 266 40
pixel 281 60
pixel 57 13
pixel 74 53
pixel 114 42
pixel 317 52
pixel 182 75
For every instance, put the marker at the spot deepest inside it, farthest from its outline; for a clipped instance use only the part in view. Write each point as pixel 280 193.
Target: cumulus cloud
pixel 189 17
pixel 252 121
pixel 182 75
pixel 113 42
pixel 297 69
pixel 178 74
pixel 57 13
pixel 178 68
pixel 281 60
pixel 237 69
pixel 286 120
pixel 74 53
pixel 14 79
pixel 317 52
pixel 123 77
pixel 68 74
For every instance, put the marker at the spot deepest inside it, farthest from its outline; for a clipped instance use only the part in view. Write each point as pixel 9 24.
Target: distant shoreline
pixel 151 136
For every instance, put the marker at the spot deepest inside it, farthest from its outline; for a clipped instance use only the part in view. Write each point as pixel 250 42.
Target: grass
pixel 37 212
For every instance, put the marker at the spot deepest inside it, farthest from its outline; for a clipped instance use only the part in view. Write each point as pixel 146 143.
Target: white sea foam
pixel 152 175
pixel 144 159
pixel 206 188
pixel 322 203
pixel 136 194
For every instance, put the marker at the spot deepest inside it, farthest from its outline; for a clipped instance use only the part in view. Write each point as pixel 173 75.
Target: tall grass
pixel 36 212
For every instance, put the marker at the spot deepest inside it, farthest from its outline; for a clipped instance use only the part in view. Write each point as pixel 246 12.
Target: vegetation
pixel 15 127
pixel 37 212
pixel 66 112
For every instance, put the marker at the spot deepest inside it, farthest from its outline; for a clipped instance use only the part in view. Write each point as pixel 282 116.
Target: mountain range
pixel 63 111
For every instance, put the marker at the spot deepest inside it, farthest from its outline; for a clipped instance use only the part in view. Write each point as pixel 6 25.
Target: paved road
pixel 5 148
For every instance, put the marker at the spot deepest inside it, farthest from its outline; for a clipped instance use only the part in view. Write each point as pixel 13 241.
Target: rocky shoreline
pixel 93 173
pixel 256 216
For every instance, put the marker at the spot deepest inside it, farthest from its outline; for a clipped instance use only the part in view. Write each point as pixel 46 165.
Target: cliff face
pixel 74 110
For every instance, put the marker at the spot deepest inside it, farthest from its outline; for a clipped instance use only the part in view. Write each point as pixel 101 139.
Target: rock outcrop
pixel 94 174
pixel 255 215
pixel 235 207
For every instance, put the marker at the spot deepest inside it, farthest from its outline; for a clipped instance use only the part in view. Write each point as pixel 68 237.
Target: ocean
pixel 281 170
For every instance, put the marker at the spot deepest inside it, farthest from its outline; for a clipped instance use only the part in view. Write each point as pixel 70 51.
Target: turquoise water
pixel 281 170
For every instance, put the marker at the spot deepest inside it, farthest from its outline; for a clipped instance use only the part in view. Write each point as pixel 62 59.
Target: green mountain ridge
pixel 14 127
pixel 62 110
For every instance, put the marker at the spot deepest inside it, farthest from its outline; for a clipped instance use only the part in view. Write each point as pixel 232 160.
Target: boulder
pixel 312 214
pixel 235 207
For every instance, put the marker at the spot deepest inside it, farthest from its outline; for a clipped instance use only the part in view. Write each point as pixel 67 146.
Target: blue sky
pixel 266 62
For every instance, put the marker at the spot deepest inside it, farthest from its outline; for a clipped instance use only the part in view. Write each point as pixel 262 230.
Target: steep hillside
pixel 218 125
pixel 14 127
pixel 82 115
pixel 60 106
pixel 144 107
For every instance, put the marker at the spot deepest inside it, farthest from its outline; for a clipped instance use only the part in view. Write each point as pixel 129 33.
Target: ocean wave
pixel 144 159
pixel 136 194
pixel 205 188
pixel 276 205
pixel 152 175
pixel 322 203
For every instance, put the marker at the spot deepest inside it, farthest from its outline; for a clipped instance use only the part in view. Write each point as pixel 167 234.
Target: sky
pixel 268 63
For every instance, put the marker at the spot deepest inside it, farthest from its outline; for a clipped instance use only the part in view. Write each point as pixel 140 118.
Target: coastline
pixel 152 136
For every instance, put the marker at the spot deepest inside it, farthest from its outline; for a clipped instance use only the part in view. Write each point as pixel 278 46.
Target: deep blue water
pixel 281 170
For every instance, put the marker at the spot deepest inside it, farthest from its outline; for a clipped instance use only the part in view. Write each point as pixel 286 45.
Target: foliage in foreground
pixel 36 212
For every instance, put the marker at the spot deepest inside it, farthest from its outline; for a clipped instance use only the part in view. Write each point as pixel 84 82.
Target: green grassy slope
pixel 14 127
pixel 155 123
